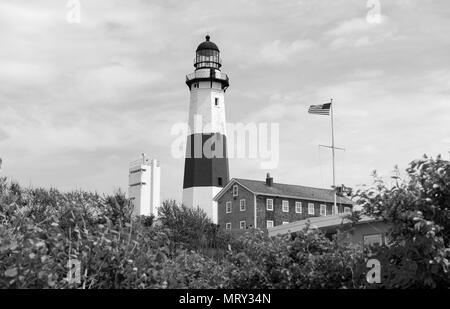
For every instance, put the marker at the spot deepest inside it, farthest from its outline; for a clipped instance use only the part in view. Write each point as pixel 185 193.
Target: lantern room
pixel 207 55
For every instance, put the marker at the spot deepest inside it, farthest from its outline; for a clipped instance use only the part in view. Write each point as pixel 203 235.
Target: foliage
pixel 192 229
pixel 418 208
pixel 42 229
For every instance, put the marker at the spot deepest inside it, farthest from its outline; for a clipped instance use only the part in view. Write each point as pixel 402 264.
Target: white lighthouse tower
pixel 206 165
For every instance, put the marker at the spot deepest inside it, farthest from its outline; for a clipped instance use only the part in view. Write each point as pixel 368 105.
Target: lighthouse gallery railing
pixel 207 74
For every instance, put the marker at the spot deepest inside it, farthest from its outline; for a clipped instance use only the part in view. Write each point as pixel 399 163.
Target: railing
pixel 206 74
pixel 142 161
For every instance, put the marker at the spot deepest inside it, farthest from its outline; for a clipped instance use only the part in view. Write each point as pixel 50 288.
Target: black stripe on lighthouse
pixel 206 163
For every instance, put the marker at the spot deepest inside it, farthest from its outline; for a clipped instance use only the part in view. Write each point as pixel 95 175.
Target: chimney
pixel 269 180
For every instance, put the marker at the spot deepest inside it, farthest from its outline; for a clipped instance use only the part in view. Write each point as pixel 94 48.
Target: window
pixel 269 223
pixel 298 207
pixel 216 101
pixel 235 190
pixel 242 205
pixel 228 226
pixel 228 207
pixel 285 222
pixel 370 240
pixel 220 181
pixel 269 204
pixel 242 225
pixel 285 206
pixel 310 208
pixel 323 210
pixel 347 210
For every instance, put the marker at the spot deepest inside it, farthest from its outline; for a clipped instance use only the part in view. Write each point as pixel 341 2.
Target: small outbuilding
pixel 367 231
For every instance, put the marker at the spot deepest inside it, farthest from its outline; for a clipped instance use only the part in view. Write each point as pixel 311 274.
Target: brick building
pixel 244 203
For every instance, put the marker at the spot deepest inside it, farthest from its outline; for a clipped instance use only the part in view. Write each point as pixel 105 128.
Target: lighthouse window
pixel 220 181
pixel 216 101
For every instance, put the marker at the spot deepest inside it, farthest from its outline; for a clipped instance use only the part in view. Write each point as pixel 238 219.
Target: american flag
pixel 323 109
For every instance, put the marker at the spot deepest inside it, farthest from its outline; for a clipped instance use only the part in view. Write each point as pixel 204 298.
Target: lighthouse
pixel 206 169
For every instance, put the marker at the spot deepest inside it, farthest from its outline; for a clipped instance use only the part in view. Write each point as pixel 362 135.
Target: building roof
pixel 207 45
pixel 323 222
pixel 285 190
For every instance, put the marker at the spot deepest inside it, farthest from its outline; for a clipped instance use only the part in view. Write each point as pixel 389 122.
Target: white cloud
pixel 355 26
pixel 278 52
pixel 363 41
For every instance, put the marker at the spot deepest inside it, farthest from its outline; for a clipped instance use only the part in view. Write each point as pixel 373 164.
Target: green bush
pixel 41 230
pixel 190 228
pixel 418 207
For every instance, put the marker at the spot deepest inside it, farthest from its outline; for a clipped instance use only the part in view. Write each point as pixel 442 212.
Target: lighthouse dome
pixel 207 45
pixel 207 55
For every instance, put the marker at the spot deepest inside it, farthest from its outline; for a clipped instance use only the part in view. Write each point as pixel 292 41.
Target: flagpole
pixel 323 110
pixel 333 151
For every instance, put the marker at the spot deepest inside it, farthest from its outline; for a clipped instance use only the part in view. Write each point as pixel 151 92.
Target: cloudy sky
pixel 78 101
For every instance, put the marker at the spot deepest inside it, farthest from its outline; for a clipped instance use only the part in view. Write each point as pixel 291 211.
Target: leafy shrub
pixel 418 208
pixel 41 230
pixel 306 259
pixel 192 229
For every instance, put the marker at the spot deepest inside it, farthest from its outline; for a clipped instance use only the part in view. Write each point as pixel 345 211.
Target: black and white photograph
pixel 222 151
